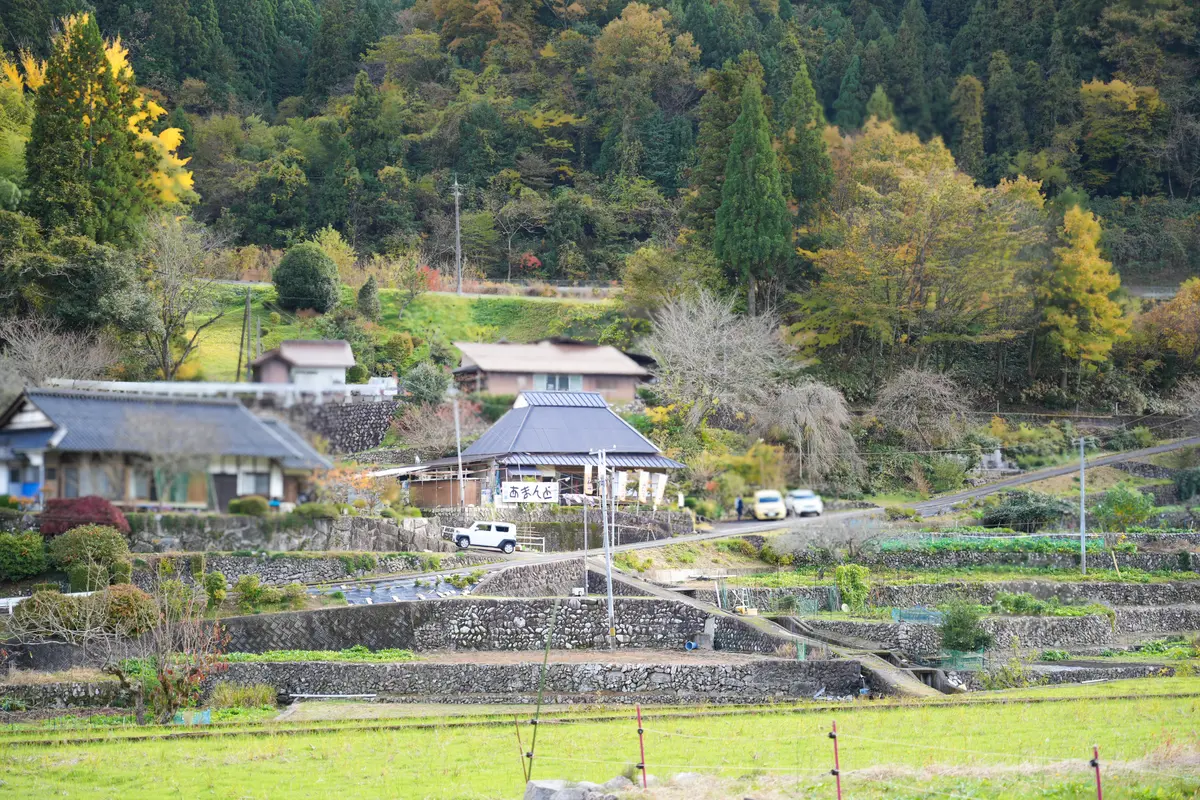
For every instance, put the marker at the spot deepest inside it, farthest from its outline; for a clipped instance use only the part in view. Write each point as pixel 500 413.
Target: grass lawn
pixel 520 319
pixel 726 553
pixel 1009 749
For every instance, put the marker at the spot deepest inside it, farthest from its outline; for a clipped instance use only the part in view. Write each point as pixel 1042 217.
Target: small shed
pixel 308 363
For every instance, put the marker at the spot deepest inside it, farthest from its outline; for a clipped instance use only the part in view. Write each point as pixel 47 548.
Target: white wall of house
pixel 318 377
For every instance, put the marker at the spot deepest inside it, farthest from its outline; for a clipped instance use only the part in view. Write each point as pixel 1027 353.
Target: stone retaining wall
pixel 276 570
pixel 762 681
pixel 66 695
pixel 825 598
pixel 493 624
pixel 281 533
pixel 549 579
pixel 1158 619
pixel 1060 674
pixel 562 526
pixel 919 639
pixel 925 559
pixel 348 426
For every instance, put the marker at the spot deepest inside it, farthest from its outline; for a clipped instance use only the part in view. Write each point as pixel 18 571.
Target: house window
pixel 51 474
pixel 14 475
pixel 141 485
pixel 558 383
pixel 606 384
pixel 258 483
pixel 70 481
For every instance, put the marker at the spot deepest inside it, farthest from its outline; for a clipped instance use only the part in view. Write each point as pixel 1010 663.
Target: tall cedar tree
pixel 880 106
pixel 968 114
pixel 719 109
pixel 332 57
pixel 753 225
pixel 909 81
pixel 86 169
pixel 248 28
pixel 1005 115
pixel 807 168
pixel 1081 317
pixel 849 109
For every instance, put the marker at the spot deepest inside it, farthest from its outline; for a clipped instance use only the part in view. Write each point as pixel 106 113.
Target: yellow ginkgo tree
pixel 95 166
pixel 1080 317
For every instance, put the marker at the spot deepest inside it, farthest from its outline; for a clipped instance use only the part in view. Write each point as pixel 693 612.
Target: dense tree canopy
pixel 962 187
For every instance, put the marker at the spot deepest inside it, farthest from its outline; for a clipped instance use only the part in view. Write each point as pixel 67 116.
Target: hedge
pixel 64 513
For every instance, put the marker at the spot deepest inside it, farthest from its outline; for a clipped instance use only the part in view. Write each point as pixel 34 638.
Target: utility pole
pixel 244 342
pixel 462 486
pixel 585 544
pixel 1082 510
pixel 457 234
pixel 604 499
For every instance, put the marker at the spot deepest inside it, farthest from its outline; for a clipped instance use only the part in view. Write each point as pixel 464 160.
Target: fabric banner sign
pixel 525 492
pixel 587 479
pixel 643 485
pixel 660 488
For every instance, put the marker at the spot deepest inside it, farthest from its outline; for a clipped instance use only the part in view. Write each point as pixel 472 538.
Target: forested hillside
pixel 959 186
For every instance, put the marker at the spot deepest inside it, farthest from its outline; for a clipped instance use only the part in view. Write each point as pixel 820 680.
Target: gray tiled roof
pixel 574 426
pixel 564 399
pixel 122 423
pixel 582 460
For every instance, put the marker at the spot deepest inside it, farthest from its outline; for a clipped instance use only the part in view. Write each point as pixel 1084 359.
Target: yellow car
pixel 768 504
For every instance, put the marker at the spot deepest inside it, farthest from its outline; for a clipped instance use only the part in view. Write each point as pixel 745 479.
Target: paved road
pixel 432 585
pixel 938 505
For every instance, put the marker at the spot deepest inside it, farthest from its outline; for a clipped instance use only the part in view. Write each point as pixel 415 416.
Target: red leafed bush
pixel 64 513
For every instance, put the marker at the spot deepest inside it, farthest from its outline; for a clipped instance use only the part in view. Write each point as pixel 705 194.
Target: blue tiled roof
pixel 123 423
pixel 581 460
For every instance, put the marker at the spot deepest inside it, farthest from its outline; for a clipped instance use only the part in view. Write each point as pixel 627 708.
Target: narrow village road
pixel 939 505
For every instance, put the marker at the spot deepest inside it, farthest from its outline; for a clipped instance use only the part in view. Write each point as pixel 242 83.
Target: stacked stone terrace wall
pixel 282 533
pixel 761 681
pixel 493 624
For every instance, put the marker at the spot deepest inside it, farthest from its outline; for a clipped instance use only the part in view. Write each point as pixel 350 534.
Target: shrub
pixel 251 506
pixel 1055 655
pixel 368 300
pixel 237 695
pixel 130 610
pixel 739 547
pixel 9 503
pixel 251 593
pixel 426 384
pixel 214 587
pixel 294 594
pixel 1123 506
pixel 901 514
pixel 21 555
pixel 1187 481
pixel 853 583
pixel 317 510
pixel 961 628
pixel 48 612
pixel 64 513
pixel 947 474
pixel 357 374
pixel 87 577
pixel 306 278
pixel 121 572
pixel 1026 511
pixel 45 587
pixel 1130 439
pixel 98 544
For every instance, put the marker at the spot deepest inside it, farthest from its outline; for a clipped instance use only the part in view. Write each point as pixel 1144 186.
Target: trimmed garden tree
pixel 307 278
pixel 753 226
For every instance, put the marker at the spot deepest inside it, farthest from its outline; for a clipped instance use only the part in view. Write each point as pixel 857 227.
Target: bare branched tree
pixel 429 431
pixel 39 349
pixel 515 216
pixel 708 356
pixel 926 407
pixel 158 646
pixel 818 420
pixel 179 255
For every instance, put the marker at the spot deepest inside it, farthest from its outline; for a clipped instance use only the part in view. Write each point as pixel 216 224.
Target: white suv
pixel 501 535
pixel 803 502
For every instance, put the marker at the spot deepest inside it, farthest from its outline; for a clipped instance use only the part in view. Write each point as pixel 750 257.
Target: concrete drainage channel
pixel 399 590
